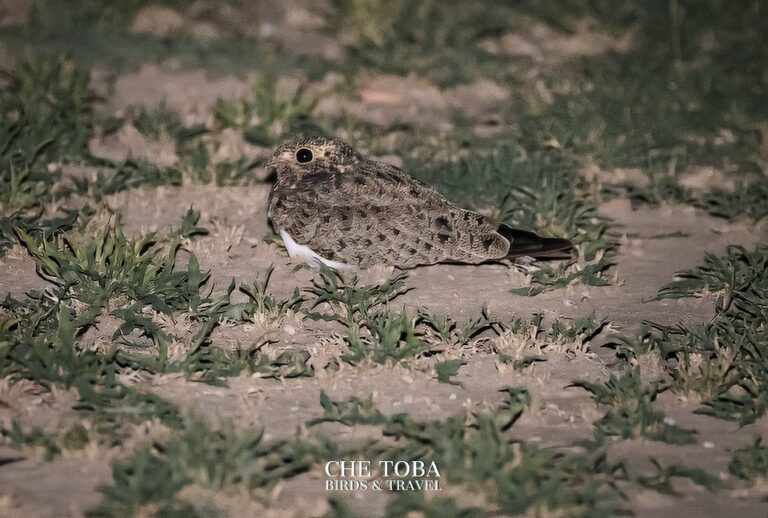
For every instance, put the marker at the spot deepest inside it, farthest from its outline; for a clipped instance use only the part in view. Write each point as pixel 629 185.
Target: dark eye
pixel 304 156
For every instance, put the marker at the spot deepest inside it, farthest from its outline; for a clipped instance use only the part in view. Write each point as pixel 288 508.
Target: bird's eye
pixel 304 156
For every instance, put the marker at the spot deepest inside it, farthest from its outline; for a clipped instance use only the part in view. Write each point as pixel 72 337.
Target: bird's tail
pixel 524 243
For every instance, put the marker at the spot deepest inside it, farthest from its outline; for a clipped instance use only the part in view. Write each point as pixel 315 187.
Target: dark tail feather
pixel 522 242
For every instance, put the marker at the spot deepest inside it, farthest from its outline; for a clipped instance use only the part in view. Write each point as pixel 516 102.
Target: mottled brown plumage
pixel 359 212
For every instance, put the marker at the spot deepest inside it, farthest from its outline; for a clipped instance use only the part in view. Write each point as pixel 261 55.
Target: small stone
pixel 289 330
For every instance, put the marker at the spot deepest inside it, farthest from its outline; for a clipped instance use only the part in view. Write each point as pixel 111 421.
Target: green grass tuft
pixel 630 412
pixel 266 117
pixel 750 463
pixel 723 360
pixel 208 457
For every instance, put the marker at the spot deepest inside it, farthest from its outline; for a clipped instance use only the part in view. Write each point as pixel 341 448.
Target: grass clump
pixel 206 457
pixel 211 364
pixel 350 412
pixel 50 444
pixel 43 336
pixel 46 108
pixel 750 463
pixel 268 116
pixel 630 412
pixel 387 337
pixel 739 277
pixel 723 361
pixel 522 342
pixel 436 38
pixel 115 268
pixel 36 225
pixel 376 333
pixel 261 303
pixel 38 342
pixel 373 331
pixel 450 333
pixel 352 305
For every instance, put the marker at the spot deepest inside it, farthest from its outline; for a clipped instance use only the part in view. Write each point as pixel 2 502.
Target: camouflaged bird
pixel 331 205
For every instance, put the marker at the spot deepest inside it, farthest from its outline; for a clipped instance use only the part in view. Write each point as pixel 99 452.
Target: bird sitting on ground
pixel 332 206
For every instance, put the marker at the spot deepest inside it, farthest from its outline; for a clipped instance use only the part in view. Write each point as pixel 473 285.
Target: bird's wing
pixel 375 213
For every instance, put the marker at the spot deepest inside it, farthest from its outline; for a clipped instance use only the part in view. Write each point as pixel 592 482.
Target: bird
pixel 332 206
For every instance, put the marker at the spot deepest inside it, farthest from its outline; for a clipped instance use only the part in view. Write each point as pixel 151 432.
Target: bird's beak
pixel 270 168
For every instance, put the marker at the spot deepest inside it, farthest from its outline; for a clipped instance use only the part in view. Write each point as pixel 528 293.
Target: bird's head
pixel 299 157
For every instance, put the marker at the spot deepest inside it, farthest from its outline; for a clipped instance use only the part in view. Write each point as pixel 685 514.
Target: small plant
pixel 352 305
pixel 446 369
pixel 154 123
pixel 748 200
pixel 449 333
pixel 130 174
pixel 47 107
pixel 739 276
pixel 521 342
pixel 559 213
pixel 115 268
pixel 51 444
pixel 630 410
pixel 36 226
pixel 375 332
pixel 261 304
pixel 750 463
pixel 386 337
pixel 196 166
pixel 265 117
pixel 213 458
pixel 351 412
pixel 400 36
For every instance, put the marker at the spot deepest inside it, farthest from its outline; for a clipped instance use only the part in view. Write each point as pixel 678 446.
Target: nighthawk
pixel 331 205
